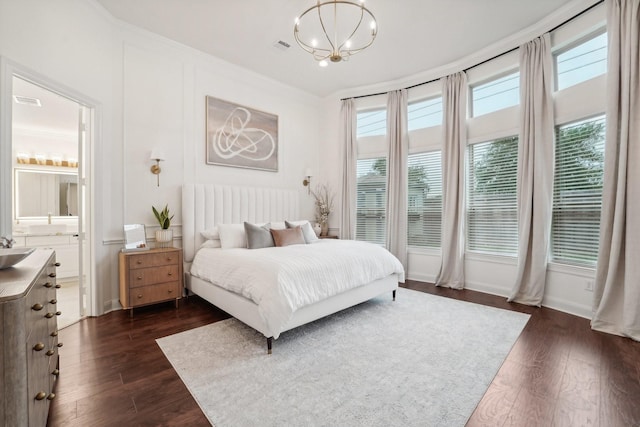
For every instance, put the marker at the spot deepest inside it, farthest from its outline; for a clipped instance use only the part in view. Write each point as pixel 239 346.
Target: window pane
pixel 577 194
pixel 424 225
pixel 496 94
pixel 492 222
pixel 371 123
pixel 582 62
pixel 372 200
pixel 424 114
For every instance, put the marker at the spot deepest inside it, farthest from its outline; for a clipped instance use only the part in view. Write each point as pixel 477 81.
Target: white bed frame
pixel 205 205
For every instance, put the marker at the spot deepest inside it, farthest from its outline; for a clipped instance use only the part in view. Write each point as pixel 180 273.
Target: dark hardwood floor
pixel 559 372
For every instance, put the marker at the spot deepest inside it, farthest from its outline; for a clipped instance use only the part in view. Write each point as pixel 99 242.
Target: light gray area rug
pixel 422 360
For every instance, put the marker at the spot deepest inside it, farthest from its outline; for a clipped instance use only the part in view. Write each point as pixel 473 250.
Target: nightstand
pixel 149 277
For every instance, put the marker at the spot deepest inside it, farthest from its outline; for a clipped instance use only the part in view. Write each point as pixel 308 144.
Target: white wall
pixel 149 92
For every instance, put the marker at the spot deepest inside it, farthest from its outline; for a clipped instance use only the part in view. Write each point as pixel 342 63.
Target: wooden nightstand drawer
pixel 155 293
pixel 149 276
pixel 149 259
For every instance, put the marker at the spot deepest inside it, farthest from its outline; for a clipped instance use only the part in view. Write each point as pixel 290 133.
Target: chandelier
pixel 340 29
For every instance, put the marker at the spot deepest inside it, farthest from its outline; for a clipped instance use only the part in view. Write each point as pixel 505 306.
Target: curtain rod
pixel 486 60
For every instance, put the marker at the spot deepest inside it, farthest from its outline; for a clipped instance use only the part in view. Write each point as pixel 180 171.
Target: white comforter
pixel 283 279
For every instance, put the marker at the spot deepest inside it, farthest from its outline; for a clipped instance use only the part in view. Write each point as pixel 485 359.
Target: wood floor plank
pixel 559 372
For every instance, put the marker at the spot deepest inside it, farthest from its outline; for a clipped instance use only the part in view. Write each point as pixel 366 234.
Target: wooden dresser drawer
pixel 149 276
pixel 155 293
pixel 147 260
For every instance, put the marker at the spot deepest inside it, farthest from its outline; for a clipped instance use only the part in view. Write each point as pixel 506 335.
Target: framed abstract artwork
pixel 240 136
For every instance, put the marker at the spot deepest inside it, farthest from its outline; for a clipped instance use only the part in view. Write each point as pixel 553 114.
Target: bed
pixel 206 206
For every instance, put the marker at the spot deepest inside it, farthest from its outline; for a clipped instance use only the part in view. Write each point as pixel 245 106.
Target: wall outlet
pixel 589 286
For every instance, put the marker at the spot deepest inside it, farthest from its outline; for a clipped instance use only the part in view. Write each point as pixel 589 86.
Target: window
pixel 577 193
pixel 372 200
pixel 371 123
pixel 496 94
pixel 424 114
pixel 492 222
pixel 582 62
pixel 424 195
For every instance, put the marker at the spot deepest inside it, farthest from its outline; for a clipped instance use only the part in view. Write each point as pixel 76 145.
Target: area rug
pixel 421 360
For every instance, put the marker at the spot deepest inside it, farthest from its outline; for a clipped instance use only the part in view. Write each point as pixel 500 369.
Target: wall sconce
pixel 157 155
pixel 307 180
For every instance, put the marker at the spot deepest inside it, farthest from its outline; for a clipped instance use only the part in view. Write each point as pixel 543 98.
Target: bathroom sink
pixel 47 228
pixel 10 257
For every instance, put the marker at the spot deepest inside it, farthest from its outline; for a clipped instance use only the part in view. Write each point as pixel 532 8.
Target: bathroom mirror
pixel 39 193
pixel 135 237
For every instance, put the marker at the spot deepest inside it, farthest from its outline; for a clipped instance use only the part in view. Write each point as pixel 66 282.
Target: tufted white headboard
pixel 205 205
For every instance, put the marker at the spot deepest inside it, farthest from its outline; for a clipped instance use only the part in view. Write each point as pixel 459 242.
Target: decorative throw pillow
pixel 307 230
pixel 232 236
pixel 258 236
pixel 288 236
pixel 213 243
pixel 212 234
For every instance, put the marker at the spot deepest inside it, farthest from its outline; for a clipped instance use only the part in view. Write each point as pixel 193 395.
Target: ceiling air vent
pixel 25 100
pixel 281 45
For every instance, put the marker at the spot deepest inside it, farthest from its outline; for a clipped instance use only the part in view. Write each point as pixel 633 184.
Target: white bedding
pixel 281 280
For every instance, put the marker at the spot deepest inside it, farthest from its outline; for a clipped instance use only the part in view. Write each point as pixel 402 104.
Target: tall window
pixel 424 114
pixel 577 193
pixel 372 200
pixel 492 222
pixel 582 62
pixel 371 123
pixel 424 209
pixel 495 95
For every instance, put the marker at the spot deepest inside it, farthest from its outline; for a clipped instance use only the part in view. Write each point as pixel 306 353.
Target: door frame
pixel 9 69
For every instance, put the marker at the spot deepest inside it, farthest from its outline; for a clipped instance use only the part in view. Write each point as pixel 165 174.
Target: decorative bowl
pixel 10 257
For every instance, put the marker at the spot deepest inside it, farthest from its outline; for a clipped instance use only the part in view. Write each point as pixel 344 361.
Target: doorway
pixel 50 151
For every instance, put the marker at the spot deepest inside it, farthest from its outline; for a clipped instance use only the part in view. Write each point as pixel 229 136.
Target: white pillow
pixel 307 229
pixel 213 243
pixel 277 225
pixel 212 234
pixel 232 236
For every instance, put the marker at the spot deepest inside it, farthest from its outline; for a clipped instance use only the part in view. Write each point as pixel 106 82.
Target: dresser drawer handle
pixel 53 301
pixel 38 347
pixel 37 307
pixel 55 372
pixel 139 262
pixel 50 353
pixel 170 274
pixel 60 344
pixel 58 313
pixel 48 315
pixel 139 295
pixel 54 334
pixel 51 396
pixel 52 274
pixel 170 290
pixel 169 258
pixel 58 286
pixel 57 264
pixel 139 278
pixel 41 395
pixel 47 285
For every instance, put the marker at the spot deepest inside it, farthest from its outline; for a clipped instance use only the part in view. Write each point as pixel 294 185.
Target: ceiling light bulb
pixel 323 63
pixel 347 44
pixel 373 25
pixel 314 42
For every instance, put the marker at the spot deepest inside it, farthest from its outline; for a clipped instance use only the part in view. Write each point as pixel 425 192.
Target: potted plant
pixel 164 236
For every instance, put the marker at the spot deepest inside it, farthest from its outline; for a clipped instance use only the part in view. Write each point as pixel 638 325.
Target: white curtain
pixel 349 166
pixel 454 109
pixel 535 170
pixel 617 286
pixel 398 145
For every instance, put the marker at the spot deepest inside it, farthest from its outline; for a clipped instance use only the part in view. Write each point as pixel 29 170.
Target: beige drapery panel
pixel 454 111
pixel 535 170
pixel 349 166
pixel 398 146
pixel 617 285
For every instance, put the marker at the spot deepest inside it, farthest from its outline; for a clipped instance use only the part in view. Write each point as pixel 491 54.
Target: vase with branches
pixel 324 206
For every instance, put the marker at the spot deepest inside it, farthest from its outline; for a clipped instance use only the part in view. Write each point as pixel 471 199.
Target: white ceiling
pixel 414 35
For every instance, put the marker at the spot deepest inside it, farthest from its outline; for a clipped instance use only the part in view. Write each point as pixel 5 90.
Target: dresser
pixel 29 340
pixel 149 277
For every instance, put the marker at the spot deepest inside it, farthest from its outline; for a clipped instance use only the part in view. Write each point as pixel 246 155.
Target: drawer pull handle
pixel 41 395
pixel 169 258
pixel 54 334
pixel 37 307
pixel 38 347
pixel 52 274
pixel 139 262
pixel 55 372
pixel 51 396
pixel 47 285
pixel 53 301
pixel 139 295
pixel 57 264
pixel 58 313
pixel 48 315
pixel 170 274
pixel 58 286
pixel 60 344
pixel 170 290
pixel 139 278
pixel 50 353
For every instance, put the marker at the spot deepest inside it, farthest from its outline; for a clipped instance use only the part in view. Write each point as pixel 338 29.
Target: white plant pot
pixel 164 238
